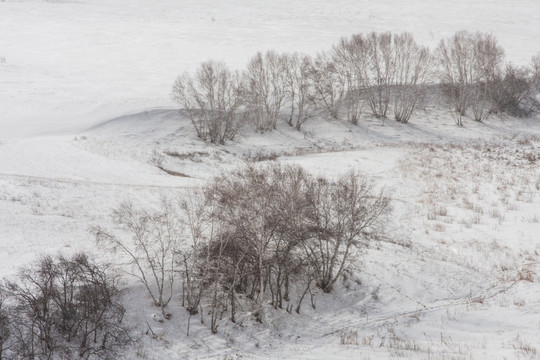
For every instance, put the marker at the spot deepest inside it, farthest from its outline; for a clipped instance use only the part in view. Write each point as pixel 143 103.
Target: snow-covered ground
pixel 85 118
pixel 457 276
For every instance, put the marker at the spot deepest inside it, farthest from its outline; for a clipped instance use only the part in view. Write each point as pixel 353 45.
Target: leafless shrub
pixel 525 275
pixel 434 213
pixel 349 337
pixel 476 219
pixel 212 101
pixel 519 303
pixel 439 227
pixel 523 347
pixel 261 156
pixel 514 91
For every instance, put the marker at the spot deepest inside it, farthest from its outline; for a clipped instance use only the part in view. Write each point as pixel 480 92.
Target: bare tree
pixel 258 246
pixel 300 230
pixel 341 218
pixel 380 78
pixel 300 89
pixel 350 59
pixel 90 316
pixel 194 259
pixel 252 222
pixel 329 85
pixel 456 61
pixel 379 68
pixel 413 64
pixel 212 101
pixel 150 241
pixel 264 89
pixel 34 316
pixel 64 308
pixel 488 56
pixel 469 65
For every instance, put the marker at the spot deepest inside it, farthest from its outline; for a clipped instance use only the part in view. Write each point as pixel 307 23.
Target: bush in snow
pixel 62 308
pixel 515 91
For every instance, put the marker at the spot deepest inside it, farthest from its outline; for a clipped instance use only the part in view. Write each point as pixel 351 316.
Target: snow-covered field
pixel 85 111
pixel 68 64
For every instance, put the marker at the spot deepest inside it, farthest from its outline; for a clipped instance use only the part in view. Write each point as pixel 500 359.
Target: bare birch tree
pixel 341 217
pixel 349 57
pixel 535 67
pixel 413 65
pixel 489 57
pixel 150 241
pixel 329 85
pixel 264 89
pixel 455 57
pixel 300 89
pixel 469 65
pixel 381 74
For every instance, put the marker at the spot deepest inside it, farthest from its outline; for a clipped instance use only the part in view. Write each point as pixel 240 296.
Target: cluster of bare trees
pixel 475 78
pixel 220 101
pixel 62 308
pixel 471 64
pixel 380 71
pixel 267 234
pixel 374 69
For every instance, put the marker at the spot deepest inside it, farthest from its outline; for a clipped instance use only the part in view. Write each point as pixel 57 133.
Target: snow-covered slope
pixel 456 276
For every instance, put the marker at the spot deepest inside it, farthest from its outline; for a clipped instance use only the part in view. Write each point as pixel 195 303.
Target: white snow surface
pixel 67 64
pixel 85 111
